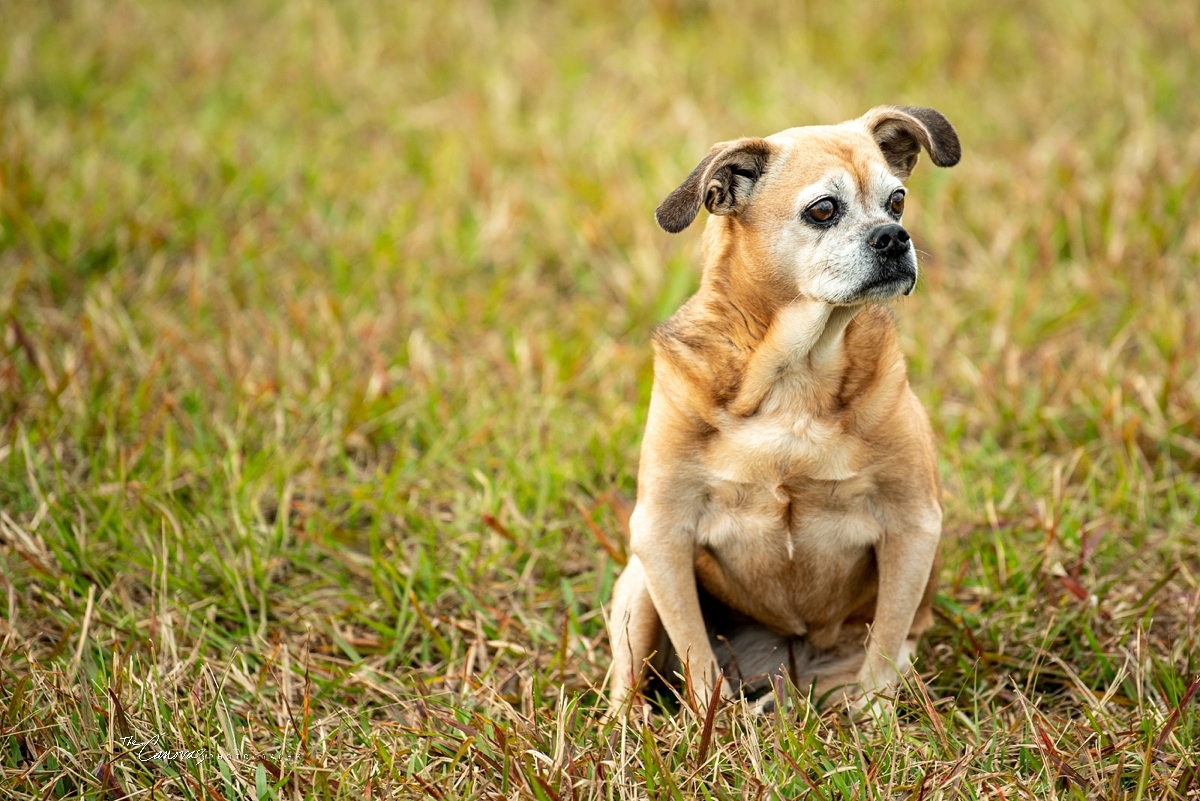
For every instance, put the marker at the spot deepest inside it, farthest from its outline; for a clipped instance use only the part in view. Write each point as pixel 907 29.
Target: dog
pixel 788 513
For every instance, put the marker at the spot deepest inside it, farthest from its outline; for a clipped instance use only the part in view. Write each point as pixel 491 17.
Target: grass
pixel 324 345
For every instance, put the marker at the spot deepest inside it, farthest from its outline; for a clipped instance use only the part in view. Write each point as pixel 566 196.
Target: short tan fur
pixel 788 471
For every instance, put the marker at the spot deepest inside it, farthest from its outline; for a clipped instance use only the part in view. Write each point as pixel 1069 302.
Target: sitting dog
pixel 788 513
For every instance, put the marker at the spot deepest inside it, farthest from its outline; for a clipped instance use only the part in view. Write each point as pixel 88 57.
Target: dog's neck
pixel 777 330
pixel 762 309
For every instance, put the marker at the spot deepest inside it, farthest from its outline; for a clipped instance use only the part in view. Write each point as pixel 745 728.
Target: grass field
pixel 324 353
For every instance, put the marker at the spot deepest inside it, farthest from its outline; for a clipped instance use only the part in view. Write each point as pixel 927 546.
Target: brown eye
pixel 896 203
pixel 822 211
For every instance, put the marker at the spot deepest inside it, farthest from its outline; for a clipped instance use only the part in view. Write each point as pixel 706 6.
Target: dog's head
pixel 821 205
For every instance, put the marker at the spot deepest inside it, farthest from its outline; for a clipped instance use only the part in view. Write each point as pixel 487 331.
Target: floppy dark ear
pixel 722 181
pixel 901 132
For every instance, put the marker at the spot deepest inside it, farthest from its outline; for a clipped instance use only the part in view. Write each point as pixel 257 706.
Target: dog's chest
pixel 790 479
pixel 789 517
pixel 792 556
pixel 792 520
pixel 784 439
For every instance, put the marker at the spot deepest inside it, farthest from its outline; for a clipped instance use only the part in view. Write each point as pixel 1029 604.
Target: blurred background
pixel 325 327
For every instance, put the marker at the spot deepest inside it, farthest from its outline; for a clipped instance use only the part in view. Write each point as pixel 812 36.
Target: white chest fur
pixel 762 449
pixel 788 479
pixel 783 440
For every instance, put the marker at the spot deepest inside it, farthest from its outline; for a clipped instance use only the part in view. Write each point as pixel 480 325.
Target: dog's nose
pixel 889 240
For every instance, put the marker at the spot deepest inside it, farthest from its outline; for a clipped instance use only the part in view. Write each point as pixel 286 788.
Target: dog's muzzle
pixel 895 268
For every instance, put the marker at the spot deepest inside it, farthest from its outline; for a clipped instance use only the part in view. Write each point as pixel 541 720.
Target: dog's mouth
pixel 888 286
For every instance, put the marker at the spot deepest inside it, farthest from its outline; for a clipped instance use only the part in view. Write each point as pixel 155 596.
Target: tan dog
pixel 788 480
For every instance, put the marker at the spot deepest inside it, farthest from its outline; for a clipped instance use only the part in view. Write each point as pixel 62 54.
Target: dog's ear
pixel 901 132
pixel 722 181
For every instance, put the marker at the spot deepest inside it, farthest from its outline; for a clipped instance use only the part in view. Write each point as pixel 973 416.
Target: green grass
pixel 324 334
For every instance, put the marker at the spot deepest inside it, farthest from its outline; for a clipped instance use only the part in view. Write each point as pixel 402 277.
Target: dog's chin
pixel 881 290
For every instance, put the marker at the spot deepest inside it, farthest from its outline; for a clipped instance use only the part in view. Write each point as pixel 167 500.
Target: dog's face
pixel 822 204
pixel 831 216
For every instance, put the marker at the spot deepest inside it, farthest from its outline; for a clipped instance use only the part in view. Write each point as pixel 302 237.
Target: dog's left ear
pixel 901 132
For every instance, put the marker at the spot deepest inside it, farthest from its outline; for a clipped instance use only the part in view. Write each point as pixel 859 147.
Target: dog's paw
pixel 769 702
pixel 837 691
pixel 872 708
pixel 699 696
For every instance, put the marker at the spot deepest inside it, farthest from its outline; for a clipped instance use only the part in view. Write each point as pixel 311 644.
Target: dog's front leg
pixel 905 559
pixel 634 630
pixel 667 554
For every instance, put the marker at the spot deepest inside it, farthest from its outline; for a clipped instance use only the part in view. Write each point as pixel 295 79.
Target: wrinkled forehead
pixel 833 157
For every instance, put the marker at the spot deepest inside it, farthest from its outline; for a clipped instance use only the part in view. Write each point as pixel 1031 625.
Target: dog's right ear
pixel 723 181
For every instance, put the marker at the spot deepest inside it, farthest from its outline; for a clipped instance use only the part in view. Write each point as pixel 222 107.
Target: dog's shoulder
pixel 696 347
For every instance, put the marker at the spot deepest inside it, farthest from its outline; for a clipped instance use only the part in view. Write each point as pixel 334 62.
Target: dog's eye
pixel 896 202
pixel 822 211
